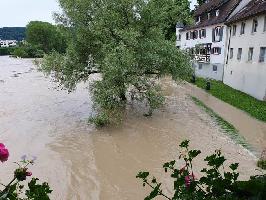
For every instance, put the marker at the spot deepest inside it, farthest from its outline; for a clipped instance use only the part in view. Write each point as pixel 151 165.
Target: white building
pixel 245 68
pixel 8 43
pixel 206 40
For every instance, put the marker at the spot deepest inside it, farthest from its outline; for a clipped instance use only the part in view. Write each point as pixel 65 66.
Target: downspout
pixel 227 53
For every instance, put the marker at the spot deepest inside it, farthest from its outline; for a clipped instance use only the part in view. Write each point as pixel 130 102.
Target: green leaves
pixel 215 183
pixel 123 41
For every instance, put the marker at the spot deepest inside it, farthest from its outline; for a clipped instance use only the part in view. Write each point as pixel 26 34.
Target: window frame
pixel 250 54
pixel 231 53
pixel 239 54
pixel 242 28
pixel 255 25
pixel 234 30
pixel 262 49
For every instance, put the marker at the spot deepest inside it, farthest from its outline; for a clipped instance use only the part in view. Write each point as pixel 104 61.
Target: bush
pixel 6 51
pixel 28 51
pixel 216 183
pixel 15 189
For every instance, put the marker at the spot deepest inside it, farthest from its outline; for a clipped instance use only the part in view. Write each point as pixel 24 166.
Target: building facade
pixel 245 67
pixel 206 40
pixel 8 43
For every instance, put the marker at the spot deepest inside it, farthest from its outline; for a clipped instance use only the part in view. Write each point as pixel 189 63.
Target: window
pixel 250 54
pixel 231 53
pixel 198 19
pixel 191 34
pixel 195 34
pixel 216 50
pixel 200 66
pixel 217 34
pixel 242 30
pixel 234 30
pixel 239 53
pixel 217 13
pixel 209 15
pixel 187 35
pixel 214 68
pixel 202 33
pixel 264 28
pixel 254 25
pixel 262 54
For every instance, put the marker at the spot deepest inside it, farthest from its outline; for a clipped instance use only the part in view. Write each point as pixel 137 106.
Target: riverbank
pixel 81 162
pixel 240 100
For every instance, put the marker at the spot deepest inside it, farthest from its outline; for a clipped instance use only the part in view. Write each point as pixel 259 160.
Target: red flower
pixel 4 154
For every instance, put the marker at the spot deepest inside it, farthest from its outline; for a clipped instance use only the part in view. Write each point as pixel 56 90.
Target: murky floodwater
pixel 80 162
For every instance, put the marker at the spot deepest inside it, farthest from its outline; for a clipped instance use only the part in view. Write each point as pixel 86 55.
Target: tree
pixel 124 41
pixel 200 2
pixel 170 12
pixel 46 36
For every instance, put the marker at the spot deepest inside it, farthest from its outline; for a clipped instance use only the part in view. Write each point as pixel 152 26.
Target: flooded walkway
pixel 252 129
pixel 82 163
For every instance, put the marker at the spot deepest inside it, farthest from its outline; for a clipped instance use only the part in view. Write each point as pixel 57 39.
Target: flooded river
pixel 80 162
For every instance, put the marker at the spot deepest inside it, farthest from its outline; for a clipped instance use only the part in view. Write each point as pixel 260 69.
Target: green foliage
pixel 252 106
pixel 216 183
pixel 169 12
pixel 226 127
pixel 200 2
pixel 38 191
pixel 45 36
pixel 15 189
pixel 124 42
pixel 28 51
pixel 4 51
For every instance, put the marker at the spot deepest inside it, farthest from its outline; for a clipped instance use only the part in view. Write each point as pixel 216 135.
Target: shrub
pixel 15 189
pixel 216 183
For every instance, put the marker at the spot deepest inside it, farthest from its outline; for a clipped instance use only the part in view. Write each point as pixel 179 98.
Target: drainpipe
pixel 227 53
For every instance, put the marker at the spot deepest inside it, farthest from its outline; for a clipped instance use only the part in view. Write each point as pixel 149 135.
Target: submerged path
pixel 80 162
pixel 252 129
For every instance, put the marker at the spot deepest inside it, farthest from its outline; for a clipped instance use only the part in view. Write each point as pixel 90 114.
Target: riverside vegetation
pixel 215 183
pixel 128 43
pixel 15 189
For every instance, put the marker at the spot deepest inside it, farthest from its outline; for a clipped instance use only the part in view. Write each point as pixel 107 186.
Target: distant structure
pixel 228 43
pixel 8 43
pixel 245 67
pixel 206 39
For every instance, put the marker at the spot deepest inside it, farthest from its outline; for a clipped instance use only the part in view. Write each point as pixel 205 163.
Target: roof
pixel 225 7
pixel 206 7
pixel 253 8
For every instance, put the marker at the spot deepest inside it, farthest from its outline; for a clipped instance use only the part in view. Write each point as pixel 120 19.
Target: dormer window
pixel 217 13
pixel 198 19
pixel 209 15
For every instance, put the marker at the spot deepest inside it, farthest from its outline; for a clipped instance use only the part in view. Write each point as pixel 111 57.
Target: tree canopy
pixel 46 36
pixel 125 42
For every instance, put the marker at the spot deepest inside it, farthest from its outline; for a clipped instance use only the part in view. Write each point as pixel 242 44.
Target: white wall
pixel 207 71
pixel 244 75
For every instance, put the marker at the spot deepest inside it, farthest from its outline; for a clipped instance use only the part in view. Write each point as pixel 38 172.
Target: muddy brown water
pixel 81 162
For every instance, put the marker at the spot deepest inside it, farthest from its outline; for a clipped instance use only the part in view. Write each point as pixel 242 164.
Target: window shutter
pixel 213 35
pixel 199 33
pixel 212 50
pixel 221 33
pixel 219 50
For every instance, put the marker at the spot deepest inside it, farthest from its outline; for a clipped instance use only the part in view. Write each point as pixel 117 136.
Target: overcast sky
pixel 20 12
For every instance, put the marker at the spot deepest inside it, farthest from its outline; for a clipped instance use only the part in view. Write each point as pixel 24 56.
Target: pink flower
pixel 28 173
pixel 2 146
pixel 4 154
pixel 189 179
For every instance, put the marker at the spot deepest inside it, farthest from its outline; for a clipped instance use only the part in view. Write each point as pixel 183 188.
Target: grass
pixel 250 105
pixel 225 126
